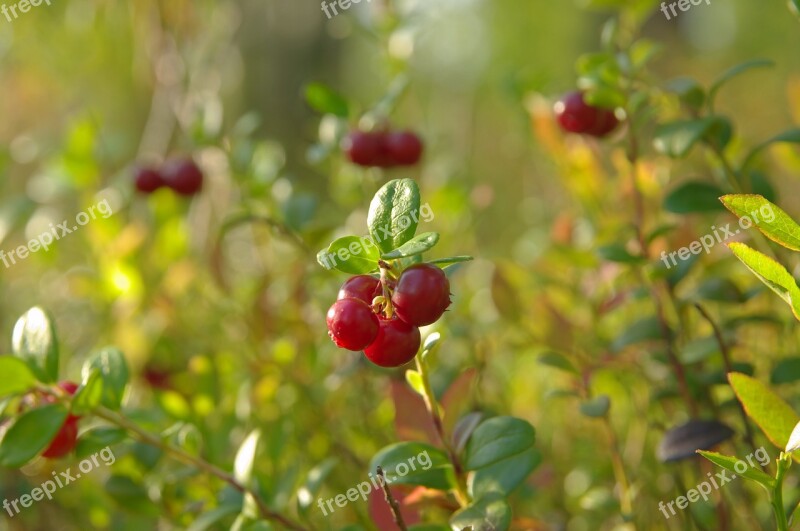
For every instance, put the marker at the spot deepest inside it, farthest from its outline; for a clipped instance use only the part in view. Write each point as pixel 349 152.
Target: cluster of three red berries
pixel 181 175
pixel 389 338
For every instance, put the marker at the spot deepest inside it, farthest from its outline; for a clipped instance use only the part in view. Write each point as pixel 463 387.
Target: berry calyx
pixel 422 294
pixel 361 287
pixel 148 180
pixel 404 148
pixel 352 324
pixel 396 344
pixel 574 115
pixel 183 176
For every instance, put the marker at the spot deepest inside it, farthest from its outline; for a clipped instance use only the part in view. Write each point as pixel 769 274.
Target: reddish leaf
pixel 455 401
pixel 412 422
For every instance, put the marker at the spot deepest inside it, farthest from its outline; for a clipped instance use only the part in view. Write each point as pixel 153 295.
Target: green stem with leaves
pixel 784 462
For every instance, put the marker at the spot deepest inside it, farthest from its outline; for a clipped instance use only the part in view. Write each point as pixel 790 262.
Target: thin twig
pixel 393 505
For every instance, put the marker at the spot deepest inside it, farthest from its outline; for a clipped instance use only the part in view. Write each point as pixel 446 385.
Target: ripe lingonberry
pixel 422 294
pixel 576 116
pixel 362 287
pixel 404 148
pixel 183 176
pixel 397 343
pixel 352 324
pixel 67 436
pixel 364 148
pixel 148 180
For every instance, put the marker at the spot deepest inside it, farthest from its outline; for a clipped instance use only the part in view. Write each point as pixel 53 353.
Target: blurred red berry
pixel 183 176
pixel 363 148
pixel 64 441
pixel 574 115
pixel 148 180
pixel 404 148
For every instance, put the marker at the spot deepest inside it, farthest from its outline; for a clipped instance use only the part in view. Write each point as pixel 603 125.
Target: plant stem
pixel 398 516
pixel 433 408
pixel 177 453
pixel 784 462
pixel 625 497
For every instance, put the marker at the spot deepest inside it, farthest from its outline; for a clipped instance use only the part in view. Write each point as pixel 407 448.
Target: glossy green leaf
pixel 413 463
pixel 34 341
pixel 350 254
pixel 786 371
pixel 245 458
pixel 89 394
pixel 729 463
pixel 323 99
pixel 394 214
pixel 767 217
pixel 771 413
pixel 794 439
pixel 15 376
pixel 490 513
pixel 443 262
pixel 676 139
pixel 214 516
pixel 596 407
pixel 770 273
pixel 417 245
pixel 689 91
pixel 114 373
pixel 414 379
pixel 30 434
pixel 496 439
pixel 693 196
pixel 504 476
pixel 96 439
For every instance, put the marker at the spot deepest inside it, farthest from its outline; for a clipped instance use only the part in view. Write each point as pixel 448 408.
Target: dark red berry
pixel 576 116
pixel 422 294
pixel 183 176
pixel 352 324
pixel 64 441
pixel 404 148
pixel 362 287
pixel 363 148
pixel 148 180
pixel 157 378
pixel 397 344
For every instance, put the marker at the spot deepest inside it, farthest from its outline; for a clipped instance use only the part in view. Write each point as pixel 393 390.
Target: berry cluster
pixel 382 317
pixel 576 116
pixel 181 175
pixel 383 149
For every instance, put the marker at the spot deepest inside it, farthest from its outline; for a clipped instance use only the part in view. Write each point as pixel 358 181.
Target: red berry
pixel 422 294
pixel 397 344
pixel 148 180
pixel 183 176
pixel 404 148
pixel 363 148
pixel 64 441
pixel 69 387
pixel 576 116
pixel 352 324
pixel 362 287
pixel 157 378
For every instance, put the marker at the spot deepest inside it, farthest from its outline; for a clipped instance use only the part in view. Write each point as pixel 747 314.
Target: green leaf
pixel 413 458
pixel 733 72
pixel 559 361
pixel 720 290
pixel 794 7
pixel 30 434
pixel 770 412
pixel 497 439
pixel 34 341
pixel 689 91
pixel 504 476
pixel 89 394
pixel 729 463
pixel 794 439
pixel 207 520
pixel 694 196
pixel 490 513
pixel 596 407
pixel 767 217
pixel 307 494
pixel 791 136
pixel 647 329
pixel 786 371
pixel 323 99
pixel 414 379
pixel 676 139
pixel 96 439
pixel 245 457
pixel 16 376
pixel 417 245
pixel 350 254
pixel 770 273
pixel 451 260
pixel 394 214
pixel 114 373
pixel 616 252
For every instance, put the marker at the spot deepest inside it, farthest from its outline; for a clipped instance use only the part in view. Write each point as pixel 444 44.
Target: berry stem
pixel 432 405
pixel 395 507
pixel 148 438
